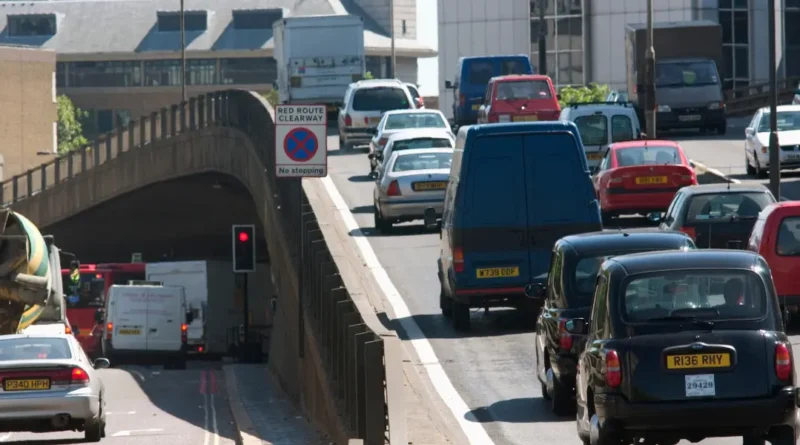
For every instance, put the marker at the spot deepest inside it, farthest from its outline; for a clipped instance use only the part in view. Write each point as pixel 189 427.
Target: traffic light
pixel 244 248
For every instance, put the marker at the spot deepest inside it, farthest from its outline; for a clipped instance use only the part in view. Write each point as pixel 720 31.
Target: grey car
pixel 396 121
pixel 411 181
pixel 48 384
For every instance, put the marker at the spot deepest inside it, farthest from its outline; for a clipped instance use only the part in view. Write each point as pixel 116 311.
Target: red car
pixel 641 177
pixel 519 97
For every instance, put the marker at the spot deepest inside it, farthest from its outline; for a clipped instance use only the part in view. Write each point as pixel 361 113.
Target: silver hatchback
pixel 410 182
pixel 364 104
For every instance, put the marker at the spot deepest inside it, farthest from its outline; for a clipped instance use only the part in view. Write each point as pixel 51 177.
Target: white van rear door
pixel 164 319
pixel 129 317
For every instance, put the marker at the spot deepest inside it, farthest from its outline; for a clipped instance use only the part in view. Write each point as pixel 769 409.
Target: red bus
pixel 84 299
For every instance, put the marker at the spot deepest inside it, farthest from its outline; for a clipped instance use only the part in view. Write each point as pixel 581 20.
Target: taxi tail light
pixel 394 189
pixel 184 333
pixel 690 231
pixel 783 362
pixel 109 330
pixel 458 259
pixel 613 369
pixel 348 121
pixel 382 141
pixel 493 118
pixel 564 337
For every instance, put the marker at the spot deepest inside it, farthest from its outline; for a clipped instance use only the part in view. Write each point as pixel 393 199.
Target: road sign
pixel 301 149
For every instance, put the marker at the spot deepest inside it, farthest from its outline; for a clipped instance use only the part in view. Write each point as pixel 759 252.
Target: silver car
pixel 364 103
pixel 48 384
pixel 399 120
pixel 411 139
pixel 411 181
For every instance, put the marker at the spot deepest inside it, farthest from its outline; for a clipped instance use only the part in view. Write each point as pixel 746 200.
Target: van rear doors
pixel 165 314
pixel 146 318
pixel 128 317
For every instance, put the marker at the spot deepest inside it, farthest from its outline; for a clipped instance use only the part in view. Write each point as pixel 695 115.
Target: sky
pixel 427 26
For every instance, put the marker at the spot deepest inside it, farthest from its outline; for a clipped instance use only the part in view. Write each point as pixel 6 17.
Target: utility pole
pixel 774 154
pixel 650 77
pixel 391 28
pixel 183 55
pixel 542 38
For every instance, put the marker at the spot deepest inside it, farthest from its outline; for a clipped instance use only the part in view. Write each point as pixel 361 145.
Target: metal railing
pixel 352 354
pixel 746 100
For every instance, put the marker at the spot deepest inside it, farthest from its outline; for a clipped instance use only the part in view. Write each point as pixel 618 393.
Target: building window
pixel 105 121
pixel 792 38
pixel 193 21
pixel 734 18
pixel 161 73
pixel 31 25
pixel 61 74
pixel 201 71
pixel 256 18
pixel 104 74
pixel 250 71
pixel 563 28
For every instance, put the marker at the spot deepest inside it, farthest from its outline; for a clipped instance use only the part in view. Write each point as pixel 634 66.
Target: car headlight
pixel 664 109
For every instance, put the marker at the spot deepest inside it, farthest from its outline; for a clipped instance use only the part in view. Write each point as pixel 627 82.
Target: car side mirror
pixel 101 363
pixel 692 164
pixel 654 217
pixel 535 290
pixel 749 132
pixel 577 326
pixel 98 316
pixel 431 221
pixel 448 85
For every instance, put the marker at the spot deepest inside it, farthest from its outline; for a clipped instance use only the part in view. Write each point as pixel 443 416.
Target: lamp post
pixel 183 55
pixel 774 154
pixel 391 29
pixel 650 77
pixel 542 38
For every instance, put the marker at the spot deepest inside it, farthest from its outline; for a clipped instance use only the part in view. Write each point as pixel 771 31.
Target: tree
pixel 368 75
pixel 70 131
pixel 591 93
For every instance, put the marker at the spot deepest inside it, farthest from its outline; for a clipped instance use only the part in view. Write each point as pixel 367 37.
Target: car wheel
pixel 748 167
pixel 760 173
pixel 381 225
pixel 562 403
pixel 752 440
pixel 545 392
pixel 783 435
pixel 96 430
pixel 445 303
pixel 461 320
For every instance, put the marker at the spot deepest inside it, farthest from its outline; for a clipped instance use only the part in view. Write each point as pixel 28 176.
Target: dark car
pixel 685 345
pixel 717 216
pixel 570 287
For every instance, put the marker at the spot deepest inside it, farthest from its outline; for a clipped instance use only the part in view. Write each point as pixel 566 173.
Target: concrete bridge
pixel 170 185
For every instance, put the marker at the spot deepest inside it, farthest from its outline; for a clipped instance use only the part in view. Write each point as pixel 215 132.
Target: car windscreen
pixel 414 120
pixel 523 89
pixel 787 121
pixel 88 293
pixel 724 207
pixel 788 243
pixel 422 161
pixel 649 155
pixel 380 99
pixel 34 348
pixel 686 74
pixel 480 72
pixel 593 129
pixel 423 142
pixel 693 294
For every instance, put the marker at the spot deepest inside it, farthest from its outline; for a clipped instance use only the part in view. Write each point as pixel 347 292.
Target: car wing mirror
pixel 189 317
pixel 535 291
pixel 655 217
pixel 577 326
pixel 101 363
pixel 448 85
pixel 431 220
pixel 749 132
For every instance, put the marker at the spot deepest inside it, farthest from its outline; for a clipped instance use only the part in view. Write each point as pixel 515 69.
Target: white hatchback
pixel 756 140
pixel 601 124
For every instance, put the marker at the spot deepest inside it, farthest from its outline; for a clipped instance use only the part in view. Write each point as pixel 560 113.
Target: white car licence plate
pixel 689 118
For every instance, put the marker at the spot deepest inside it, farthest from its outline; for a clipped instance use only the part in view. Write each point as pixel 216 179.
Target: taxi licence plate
pixel 476 107
pixel 525 118
pixel 593 156
pixel 26 384
pixel 689 118
pixel 497 272
pixel 699 361
pixel 130 331
pixel 426 186
pixel 652 180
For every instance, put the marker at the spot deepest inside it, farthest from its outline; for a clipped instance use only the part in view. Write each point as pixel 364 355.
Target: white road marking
pixel 125 433
pixel 214 427
pixel 476 434
pixel 5 437
pixel 210 411
pixel 117 413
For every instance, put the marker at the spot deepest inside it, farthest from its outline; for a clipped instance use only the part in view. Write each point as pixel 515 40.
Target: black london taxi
pixel 573 270
pixel 716 216
pixel 685 345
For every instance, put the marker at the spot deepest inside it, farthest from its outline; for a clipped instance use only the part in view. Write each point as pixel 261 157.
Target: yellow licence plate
pixel 130 331
pixel 374 120
pixel 331 108
pixel 525 118
pixel 497 272
pixel 426 186
pixel 699 361
pixel 26 384
pixel 476 107
pixel 593 156
pixel 652 180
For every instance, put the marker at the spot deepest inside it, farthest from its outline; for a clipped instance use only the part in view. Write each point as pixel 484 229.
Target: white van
pixel 146 320
pixel 601 124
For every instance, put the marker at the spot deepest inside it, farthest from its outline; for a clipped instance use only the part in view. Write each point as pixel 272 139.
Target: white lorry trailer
pixel 318 57
pixel 192 276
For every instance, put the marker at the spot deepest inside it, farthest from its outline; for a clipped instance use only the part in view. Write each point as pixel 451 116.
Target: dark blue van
pixel 473 75
pixel 514 190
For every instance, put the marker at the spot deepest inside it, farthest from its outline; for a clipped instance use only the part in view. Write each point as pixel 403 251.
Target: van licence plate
pixel 497 272
pixel 26 384
pixel 525 118
pixel 652 180
pixel 130 331
pixel 593 156
pixel 476 107
pixel 699 361
pixel 689 118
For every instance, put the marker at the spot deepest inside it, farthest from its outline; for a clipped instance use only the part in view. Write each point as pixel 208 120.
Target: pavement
pixel 481 383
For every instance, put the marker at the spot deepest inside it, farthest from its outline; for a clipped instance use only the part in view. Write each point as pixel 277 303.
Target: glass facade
pixel 31 25
pixel 256 70
pixel 104 74
pixel 563 29
pixel 161 73
pixel 192 21
pixel 734 18
pixel 791 19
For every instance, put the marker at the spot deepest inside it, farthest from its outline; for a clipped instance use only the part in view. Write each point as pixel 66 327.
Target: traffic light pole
pixel 246 305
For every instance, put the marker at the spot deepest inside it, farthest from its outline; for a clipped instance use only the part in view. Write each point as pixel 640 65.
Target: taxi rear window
pixel 693 294
pixel 724 207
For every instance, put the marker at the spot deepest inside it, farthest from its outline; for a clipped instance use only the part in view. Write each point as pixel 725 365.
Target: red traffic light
pixel 243 237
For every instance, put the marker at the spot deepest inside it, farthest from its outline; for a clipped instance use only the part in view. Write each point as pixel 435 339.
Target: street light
pixel 650 77
pixel 391 28
pixel 774 154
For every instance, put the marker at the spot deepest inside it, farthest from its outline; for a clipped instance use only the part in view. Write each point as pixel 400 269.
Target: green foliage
pixel 272 97
pixel 70 130
pixel 368 75
pixel 591 93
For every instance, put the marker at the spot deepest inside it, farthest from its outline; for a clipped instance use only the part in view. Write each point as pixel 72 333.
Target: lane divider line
pixel 475 432
pixel 701 168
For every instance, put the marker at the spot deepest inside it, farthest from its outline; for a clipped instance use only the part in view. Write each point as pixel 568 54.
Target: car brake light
pixel 394 189
pixel 366 120
pixel 109 330
pixel 461 100
pixel 382 142
pixel 690 231
pixel 783 362
pixel 458 259
pixel 79 376
pixel 184 333
pixel 564 337
pixel 613 369
pixel 348 121
pixel 494 118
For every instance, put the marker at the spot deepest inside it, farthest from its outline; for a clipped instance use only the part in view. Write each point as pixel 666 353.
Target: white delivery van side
pixel 146 320
pixel 192 276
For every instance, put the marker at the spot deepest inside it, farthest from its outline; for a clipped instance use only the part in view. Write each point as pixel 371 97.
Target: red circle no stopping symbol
pixel 300 144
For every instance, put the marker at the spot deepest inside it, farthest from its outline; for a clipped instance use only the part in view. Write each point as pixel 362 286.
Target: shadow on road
pixel 520 410
pixel 495 323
